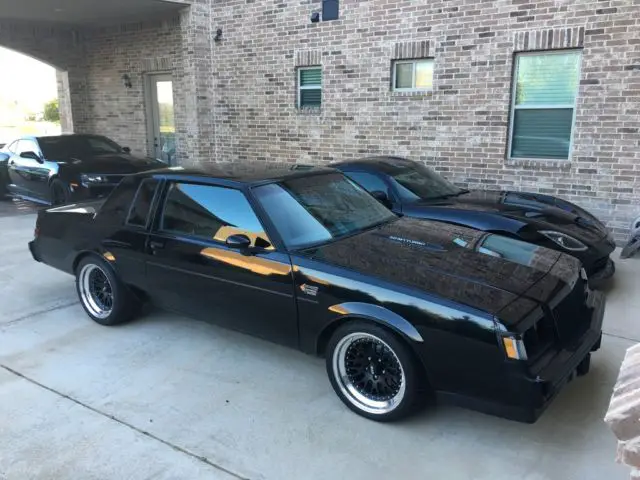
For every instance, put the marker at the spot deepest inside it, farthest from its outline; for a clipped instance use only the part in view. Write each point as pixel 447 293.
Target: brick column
pixel 195 131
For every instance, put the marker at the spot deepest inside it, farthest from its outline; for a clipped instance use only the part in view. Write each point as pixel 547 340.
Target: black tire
pixel 345 354
pixel 59 192
pixel 123 304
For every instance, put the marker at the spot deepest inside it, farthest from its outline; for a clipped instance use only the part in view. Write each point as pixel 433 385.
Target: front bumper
pixel 549 375
pixel 600 273
pixel 527 390
pixel 34 251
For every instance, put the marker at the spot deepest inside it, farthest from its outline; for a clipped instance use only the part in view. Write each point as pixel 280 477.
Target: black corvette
pixel 400 308
pixel 411 189
pixel 65 168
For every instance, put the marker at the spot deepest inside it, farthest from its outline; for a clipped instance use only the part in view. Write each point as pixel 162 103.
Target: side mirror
pixel 238 242
pixel 32 156
pixel 126 149
pixel 382 198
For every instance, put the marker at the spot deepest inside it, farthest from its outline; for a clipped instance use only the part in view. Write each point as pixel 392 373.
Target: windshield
pixel 77 146
pixel 418 182
pixel 320 208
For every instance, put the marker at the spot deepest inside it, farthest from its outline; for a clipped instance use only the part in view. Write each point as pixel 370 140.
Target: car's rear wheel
pixel 59 192
pixel 102 294
pixel 373 371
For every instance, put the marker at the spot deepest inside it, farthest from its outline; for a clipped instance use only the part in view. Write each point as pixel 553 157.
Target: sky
pixel 28 81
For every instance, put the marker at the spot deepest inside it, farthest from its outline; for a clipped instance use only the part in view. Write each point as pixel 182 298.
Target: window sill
pixel 550 163
pixel 310 111
pixel 411 93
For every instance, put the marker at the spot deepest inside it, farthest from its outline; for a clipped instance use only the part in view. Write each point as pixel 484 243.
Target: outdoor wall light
pixel 126 80
pixel 218 36
pixel 315 17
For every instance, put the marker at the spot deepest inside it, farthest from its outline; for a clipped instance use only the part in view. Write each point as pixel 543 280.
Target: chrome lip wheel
pixel 96 292
pixel 369 373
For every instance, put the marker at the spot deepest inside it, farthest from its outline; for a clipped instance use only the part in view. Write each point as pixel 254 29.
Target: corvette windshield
pixel 421 183
pixel 77 146
pixel 317 209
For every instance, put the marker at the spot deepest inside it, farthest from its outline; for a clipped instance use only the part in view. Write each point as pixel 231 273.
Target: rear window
pixel 139 214
pixel 117 205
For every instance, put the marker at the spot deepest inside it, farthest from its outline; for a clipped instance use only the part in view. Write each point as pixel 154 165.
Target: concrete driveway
pixel 167 397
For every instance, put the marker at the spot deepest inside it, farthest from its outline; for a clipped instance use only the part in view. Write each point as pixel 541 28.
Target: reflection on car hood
pixel 112 164
pixel 543 212
pixel 478 269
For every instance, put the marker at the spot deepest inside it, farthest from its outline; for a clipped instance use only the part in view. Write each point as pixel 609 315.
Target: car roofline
pixel 202 176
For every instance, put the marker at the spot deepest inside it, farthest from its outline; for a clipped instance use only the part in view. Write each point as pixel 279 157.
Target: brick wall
pixel 461 127
pixel 135 49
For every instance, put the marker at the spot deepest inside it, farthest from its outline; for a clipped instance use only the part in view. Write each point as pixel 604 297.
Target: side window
pixel 27 146
pixel 368 181
pixel 211 212
pixel 13 147
pixel 117 205
pixel 139 213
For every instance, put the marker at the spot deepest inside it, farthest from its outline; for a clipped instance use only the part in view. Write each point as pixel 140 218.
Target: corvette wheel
pixel 59 193
pixel 372 371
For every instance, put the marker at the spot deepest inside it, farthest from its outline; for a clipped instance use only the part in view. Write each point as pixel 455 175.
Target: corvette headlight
pixel 565 241
pixel 89 179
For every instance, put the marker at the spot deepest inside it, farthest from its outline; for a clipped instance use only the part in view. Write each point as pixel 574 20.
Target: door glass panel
pixel 213 213
pixel 166 122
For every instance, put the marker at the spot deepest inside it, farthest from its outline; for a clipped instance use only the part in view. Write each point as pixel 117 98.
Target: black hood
pixel 511 211
pixel 121 163
pixel 448 260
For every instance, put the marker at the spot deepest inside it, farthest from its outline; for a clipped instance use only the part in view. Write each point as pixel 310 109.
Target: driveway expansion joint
pixel 40 312
pixel 123 423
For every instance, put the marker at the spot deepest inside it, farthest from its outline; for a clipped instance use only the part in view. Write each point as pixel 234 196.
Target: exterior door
pixel 161 121
pixel 27 176
pixel 191 269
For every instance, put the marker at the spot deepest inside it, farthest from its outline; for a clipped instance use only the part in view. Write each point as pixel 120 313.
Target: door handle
pixel 11 162
pixel 156 245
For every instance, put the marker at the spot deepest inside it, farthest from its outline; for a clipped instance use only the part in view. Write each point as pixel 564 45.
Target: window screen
pixel 413 75
pixel 211 212
pixel 310 87
pixel 546 85
pixel 141 207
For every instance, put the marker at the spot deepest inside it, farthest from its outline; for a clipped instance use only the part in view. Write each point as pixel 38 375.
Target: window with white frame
pixel 412 75
pixel 309 87
pixel 545 86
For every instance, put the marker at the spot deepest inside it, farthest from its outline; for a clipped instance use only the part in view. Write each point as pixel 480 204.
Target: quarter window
pixel 139 214
pixel 212 213
pixel 413 75
pixel 368 181
pixel 310 87
pixel 543 104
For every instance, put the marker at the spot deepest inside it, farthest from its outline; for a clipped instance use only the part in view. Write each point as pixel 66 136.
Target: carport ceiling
pixel 84 12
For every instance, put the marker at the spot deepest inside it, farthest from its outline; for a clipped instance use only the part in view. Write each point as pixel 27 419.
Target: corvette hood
pixel 478 269
pixel 542 212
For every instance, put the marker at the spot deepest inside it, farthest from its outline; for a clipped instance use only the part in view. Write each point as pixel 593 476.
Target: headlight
pixel 89 179
pixel 565 241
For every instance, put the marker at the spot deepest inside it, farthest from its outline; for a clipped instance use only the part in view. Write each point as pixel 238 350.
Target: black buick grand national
pixel 401 308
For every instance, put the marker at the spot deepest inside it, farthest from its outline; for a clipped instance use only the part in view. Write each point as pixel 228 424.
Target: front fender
pixel 376 314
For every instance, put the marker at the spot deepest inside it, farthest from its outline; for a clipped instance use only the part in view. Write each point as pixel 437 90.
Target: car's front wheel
pixel 59 192
pixel 373 371
pixel 104 297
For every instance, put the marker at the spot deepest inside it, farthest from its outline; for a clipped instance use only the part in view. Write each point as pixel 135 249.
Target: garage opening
pixel 29 102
